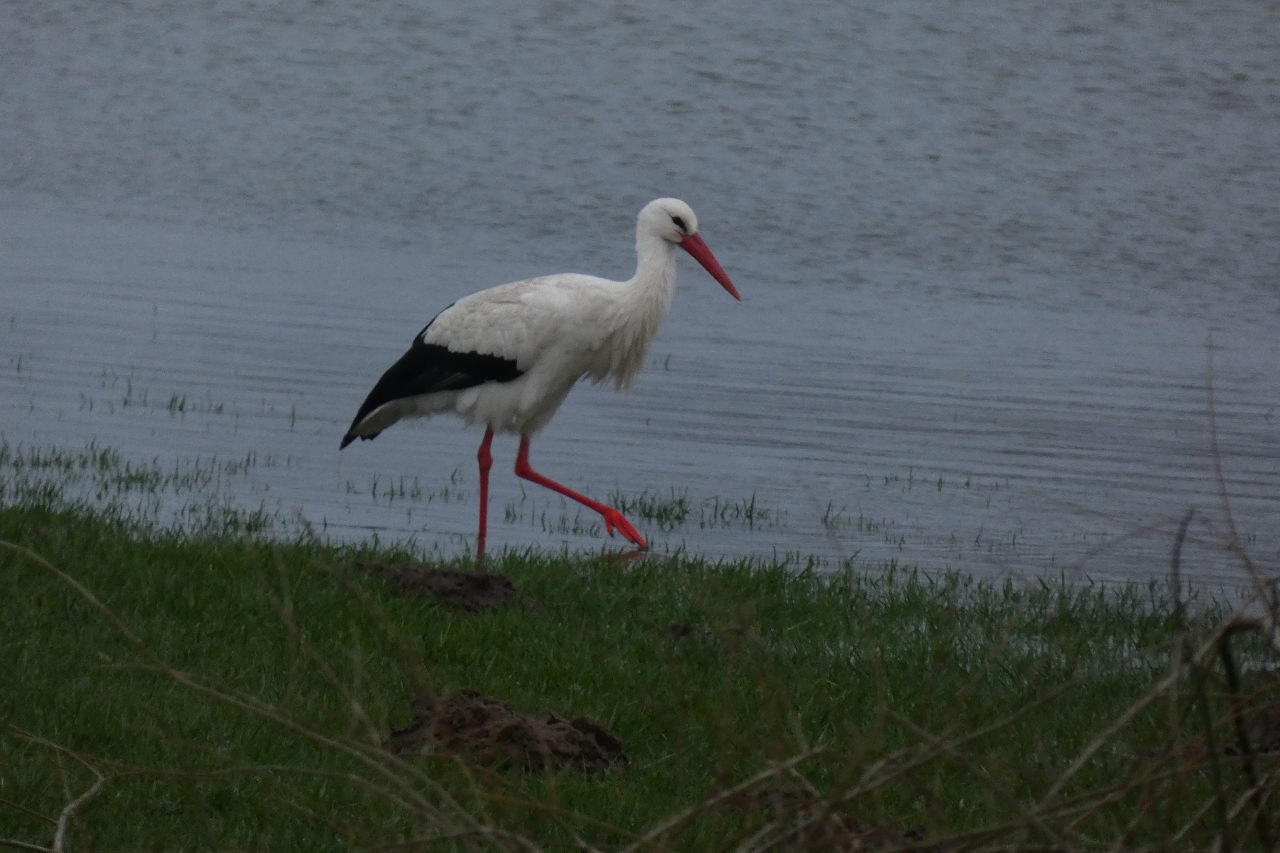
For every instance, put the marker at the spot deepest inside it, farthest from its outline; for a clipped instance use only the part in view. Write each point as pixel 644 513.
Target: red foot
pixel 613 518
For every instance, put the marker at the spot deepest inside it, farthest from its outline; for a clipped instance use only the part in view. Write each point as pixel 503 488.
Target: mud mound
pixel 802 821
pixel 677 631
pixel 492 732
pixel 469 591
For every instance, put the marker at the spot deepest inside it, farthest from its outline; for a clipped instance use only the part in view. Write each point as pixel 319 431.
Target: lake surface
pixel 985 250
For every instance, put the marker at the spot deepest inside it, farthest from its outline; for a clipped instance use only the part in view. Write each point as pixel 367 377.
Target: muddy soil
pixel 677 631
pixel 469 591
pixel 491 732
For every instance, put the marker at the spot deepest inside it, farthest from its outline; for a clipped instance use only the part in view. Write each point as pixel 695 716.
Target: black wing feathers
pixel 428 368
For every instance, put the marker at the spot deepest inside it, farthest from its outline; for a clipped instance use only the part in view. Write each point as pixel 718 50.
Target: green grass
pixel 233 691
pixel 248 715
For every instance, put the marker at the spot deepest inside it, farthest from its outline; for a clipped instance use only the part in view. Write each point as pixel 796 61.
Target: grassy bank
pixel 235 693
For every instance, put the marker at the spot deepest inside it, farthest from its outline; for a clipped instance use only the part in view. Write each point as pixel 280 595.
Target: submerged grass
pixel 234 692
pixel 672 510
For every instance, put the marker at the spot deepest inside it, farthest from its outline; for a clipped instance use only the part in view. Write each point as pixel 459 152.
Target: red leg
pixel 486 462
pixel 612 518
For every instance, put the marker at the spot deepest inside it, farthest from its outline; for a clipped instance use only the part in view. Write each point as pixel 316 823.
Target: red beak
pixel 693 244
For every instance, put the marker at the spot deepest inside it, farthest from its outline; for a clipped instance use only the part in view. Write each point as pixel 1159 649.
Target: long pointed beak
pixel 694 245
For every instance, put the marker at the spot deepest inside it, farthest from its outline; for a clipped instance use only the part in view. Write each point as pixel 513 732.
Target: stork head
pixel 675 222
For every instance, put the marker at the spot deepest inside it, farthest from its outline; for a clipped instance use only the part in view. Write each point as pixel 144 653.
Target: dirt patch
pixel 492 732
pixel 677 631
pixel 469 591
pixel 802 821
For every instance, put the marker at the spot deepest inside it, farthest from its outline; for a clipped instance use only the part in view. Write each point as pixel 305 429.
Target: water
pixel 983 249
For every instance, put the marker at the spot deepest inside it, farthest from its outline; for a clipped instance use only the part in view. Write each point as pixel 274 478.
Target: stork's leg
pixel 612 518
pixel 486 462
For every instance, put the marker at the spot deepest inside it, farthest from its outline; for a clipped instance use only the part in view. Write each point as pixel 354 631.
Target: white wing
pixel 528 320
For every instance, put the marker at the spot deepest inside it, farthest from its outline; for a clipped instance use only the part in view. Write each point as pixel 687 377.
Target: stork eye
pixel 680 224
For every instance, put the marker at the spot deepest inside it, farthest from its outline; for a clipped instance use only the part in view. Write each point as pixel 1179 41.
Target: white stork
pixel 507 357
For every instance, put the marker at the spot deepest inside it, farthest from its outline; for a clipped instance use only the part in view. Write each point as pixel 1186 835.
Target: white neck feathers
pixel 642 306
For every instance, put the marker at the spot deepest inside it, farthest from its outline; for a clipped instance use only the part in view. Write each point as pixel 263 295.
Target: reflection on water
pixel 981 251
